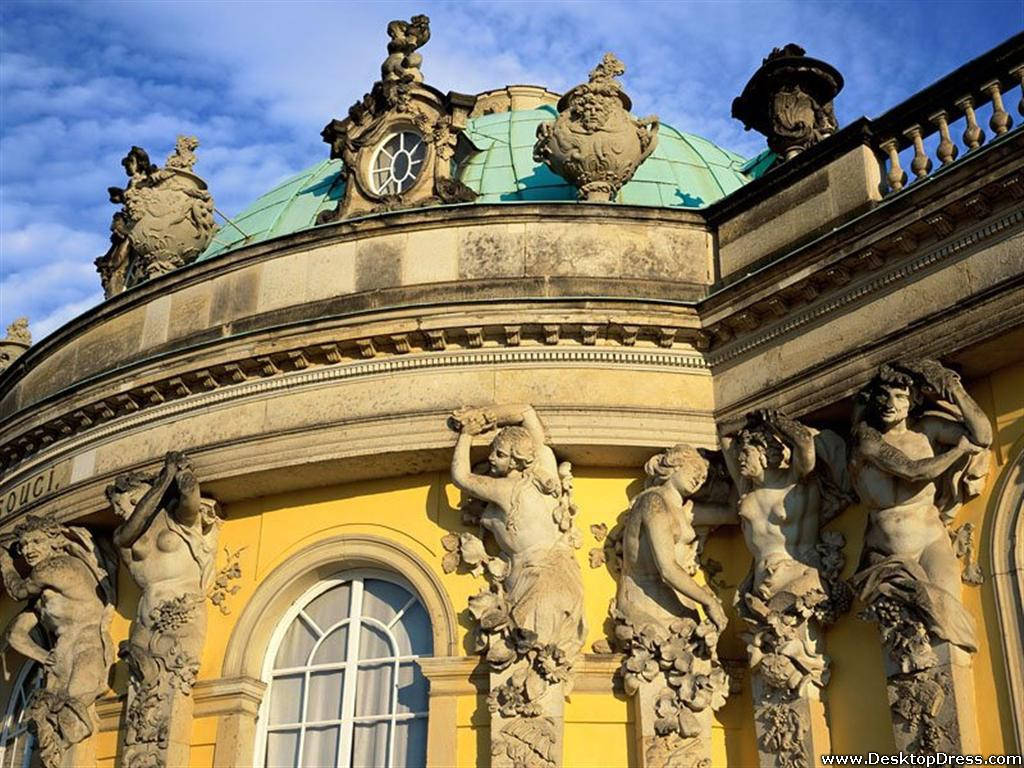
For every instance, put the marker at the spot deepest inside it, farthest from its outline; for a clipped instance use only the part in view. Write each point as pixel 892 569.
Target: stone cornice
pixel 403 349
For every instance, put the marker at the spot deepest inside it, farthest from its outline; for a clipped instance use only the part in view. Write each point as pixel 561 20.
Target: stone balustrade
pixel 951 110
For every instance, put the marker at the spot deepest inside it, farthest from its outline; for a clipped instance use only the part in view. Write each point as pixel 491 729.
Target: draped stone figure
pixel 919 450
pixel 671 663
pixel 65 627
pixel 168 542
pixel 791 479
pixel 531 625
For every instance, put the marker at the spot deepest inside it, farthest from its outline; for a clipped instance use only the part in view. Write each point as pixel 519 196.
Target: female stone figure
pixel 71 601
pixel 168 542
pixel 531 619
pixel 671 660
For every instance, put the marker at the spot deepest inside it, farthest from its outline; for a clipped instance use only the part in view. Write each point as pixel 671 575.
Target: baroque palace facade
pixel 521 431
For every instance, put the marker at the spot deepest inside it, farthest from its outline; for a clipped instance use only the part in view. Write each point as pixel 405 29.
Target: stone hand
pixel 471 421
pixel 715 613
pixel 966 445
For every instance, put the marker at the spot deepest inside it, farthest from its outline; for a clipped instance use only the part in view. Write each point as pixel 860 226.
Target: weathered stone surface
pixel 166 220
pixel 671 663
pixel 168 542
pixel 70 584
pixel 595 144
pixel 530 623
pixel 14 344
pixel 919 450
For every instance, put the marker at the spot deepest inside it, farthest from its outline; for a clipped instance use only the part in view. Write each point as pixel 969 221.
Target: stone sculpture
pixel 70 588
pixel 530 620
pixel 919 450
pixel 399 102
pixel 789 100
pixel 168 541
pixel 791 480
pixel 671 663
pixel 595 144
pixel 165 222
pixel 18 340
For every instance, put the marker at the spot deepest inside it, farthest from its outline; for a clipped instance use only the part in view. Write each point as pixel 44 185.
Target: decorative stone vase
pixel 171 221
pixel 595 144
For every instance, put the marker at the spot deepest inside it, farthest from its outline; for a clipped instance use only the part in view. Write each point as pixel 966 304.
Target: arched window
pixel 16 741
pixel 344 686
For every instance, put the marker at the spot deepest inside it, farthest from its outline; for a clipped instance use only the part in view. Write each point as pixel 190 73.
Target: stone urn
pixel 170 221
pixel 595 144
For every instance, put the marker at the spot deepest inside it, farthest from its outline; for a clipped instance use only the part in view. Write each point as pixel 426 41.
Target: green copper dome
pixel 685 171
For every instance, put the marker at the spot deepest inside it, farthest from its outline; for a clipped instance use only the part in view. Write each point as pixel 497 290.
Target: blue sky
pixel 256 81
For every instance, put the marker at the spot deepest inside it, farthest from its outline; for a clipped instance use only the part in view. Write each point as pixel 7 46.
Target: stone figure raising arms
pixel 530 619
pixel 525 501
pixel 912 469
pixel 70 589
pixel 168 542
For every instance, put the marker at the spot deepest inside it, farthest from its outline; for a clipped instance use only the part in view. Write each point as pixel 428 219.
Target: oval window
pixel 398 163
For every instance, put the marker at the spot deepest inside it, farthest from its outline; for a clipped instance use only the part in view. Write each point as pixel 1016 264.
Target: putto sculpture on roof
pixel 397 143
pixel 13 346
pixel 595 144
pixel 165 222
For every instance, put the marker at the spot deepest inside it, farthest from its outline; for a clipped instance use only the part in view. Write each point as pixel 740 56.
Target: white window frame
pixel 412 175
pixel 348 719
pixel 11 732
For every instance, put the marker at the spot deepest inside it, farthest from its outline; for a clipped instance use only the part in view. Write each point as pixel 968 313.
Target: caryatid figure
pixel 790 480
pixel 531 619
pixel 671 663
pixel 919 450
pixel 168 542
pixel 70 586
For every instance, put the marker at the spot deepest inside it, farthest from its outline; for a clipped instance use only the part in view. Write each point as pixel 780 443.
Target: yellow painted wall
pixel 417 511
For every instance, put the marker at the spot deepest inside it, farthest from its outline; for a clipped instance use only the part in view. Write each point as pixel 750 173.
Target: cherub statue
pixel 70 588
pixel 919 450
pixel 403 63
pixel 168 542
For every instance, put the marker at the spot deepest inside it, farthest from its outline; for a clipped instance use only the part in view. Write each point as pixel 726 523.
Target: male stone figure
pixel 919 450
pixel 531 620
pixel 168 542
pixel 671 663
pixel 70 589
pixel 793 587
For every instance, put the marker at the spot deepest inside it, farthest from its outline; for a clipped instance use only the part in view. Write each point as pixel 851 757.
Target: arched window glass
pixel 344 686
pixel 398 163
pixel 16 741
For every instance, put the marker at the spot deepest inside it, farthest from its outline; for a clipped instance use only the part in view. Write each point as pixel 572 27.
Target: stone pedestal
pixel 670 750
pixel 168 741
pixel 791 730
pixel 535 740
pixel 933 710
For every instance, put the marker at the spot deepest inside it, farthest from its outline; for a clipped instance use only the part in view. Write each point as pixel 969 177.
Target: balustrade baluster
pixel 1001 121
pixel 947 150
pixel 896 176
pixel 921 165
pixel 973 135
pixel 1019 74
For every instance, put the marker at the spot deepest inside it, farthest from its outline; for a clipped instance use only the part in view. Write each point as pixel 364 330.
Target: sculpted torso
pixel 68 602
pixel 532 530
pixel 161 564
pixel 781 522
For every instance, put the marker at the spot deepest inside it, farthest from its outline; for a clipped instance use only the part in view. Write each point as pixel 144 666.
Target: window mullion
pixel 348 696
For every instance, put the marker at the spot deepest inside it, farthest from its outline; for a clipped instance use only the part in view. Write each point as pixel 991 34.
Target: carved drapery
pixel 530 625
pixel 70 583
pixel 920 449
